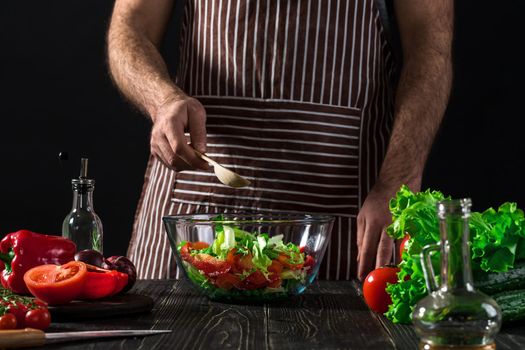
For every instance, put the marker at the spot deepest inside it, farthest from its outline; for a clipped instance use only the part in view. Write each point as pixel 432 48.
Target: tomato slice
pixel 245 263
pixel 185 252
pixel 57 284
pixel 233 259
pixel 309 262
pixel 255 280
pixel 285 261
pixel 199 245
pixel 210 265
pixel 227 281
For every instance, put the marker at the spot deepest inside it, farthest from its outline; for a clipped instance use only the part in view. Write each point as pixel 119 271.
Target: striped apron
pixel 299 98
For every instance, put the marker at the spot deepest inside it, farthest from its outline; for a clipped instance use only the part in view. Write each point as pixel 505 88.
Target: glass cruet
pixel 82 225
pixel 455 315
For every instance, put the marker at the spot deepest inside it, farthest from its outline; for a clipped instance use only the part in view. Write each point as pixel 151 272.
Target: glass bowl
pixel 249 257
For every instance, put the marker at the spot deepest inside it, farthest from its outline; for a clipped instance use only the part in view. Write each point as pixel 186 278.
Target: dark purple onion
pixel 91 257
pixel 123 264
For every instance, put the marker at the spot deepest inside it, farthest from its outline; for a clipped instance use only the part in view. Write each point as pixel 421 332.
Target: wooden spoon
pixel 226 176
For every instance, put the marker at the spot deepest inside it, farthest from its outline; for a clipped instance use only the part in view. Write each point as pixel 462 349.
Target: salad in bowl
pixel 249 257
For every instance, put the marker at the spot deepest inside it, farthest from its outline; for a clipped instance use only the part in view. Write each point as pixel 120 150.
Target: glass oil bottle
pixel 454 315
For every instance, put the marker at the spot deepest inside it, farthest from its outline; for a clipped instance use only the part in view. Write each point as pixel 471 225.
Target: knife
pixel 21 338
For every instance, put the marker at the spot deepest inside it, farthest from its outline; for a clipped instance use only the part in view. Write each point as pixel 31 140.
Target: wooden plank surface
pixel 330 315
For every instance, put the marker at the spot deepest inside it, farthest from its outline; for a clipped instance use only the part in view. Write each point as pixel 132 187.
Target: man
pixel 298 96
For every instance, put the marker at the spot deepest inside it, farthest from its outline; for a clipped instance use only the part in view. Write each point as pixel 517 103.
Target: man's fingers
pixel 368 250
pixel 360 234
pixel 397 257
pixel 178 144
pixel 165 154
pixel 197 126
pixel 384 250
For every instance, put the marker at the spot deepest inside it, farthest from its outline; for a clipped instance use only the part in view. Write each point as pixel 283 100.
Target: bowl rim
pixel 287 218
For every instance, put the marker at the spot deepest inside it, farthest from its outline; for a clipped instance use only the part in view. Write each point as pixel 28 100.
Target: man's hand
pixel 374 245
pixel 425 28
pixel 168 142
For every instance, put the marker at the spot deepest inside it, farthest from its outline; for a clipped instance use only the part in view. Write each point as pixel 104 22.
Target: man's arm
pixel 426 29
pixel 138 69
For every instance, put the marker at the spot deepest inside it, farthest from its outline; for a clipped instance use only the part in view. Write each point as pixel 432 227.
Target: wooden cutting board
pixel 121 305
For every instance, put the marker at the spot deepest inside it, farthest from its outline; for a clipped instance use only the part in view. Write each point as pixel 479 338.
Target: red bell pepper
pixel 102 283
pixel 23 250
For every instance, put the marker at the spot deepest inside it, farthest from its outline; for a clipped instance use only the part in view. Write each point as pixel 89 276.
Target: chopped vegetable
pixel 244 264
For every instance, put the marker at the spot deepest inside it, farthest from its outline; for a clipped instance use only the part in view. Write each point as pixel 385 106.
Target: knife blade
pixel 21 338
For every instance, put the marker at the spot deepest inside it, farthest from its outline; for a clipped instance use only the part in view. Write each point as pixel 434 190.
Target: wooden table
pixel 330 315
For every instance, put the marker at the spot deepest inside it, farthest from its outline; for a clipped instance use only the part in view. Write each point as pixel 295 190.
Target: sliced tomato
pixel 233 259
pixel 274 276
pixel 285 261
pixel 199 245
pixel 210 265
pixel 245 263
pixel 276 283
pixel 276 267
pixel 185 252
pixel 309 262
pixel 253 281
pixel 57 284
pixel 227 281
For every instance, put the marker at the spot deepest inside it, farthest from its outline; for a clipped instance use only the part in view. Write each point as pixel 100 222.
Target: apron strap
pixel 391 30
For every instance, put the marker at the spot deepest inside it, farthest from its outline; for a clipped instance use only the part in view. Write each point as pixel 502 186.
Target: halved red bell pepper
pixel 23 250
pixel 101 283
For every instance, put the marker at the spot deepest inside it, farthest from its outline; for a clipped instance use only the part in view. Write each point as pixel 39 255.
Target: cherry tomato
pixel 374 286
pixel 19 310
pixel 211 266
pixel 8 321
pixel 38 318
pixel 402 245
pixel 57 284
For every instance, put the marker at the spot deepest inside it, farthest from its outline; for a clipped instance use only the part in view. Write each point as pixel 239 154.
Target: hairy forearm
pixel 137 67
pixel 421 100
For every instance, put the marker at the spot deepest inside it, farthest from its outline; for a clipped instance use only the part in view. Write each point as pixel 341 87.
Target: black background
pixel 56 96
